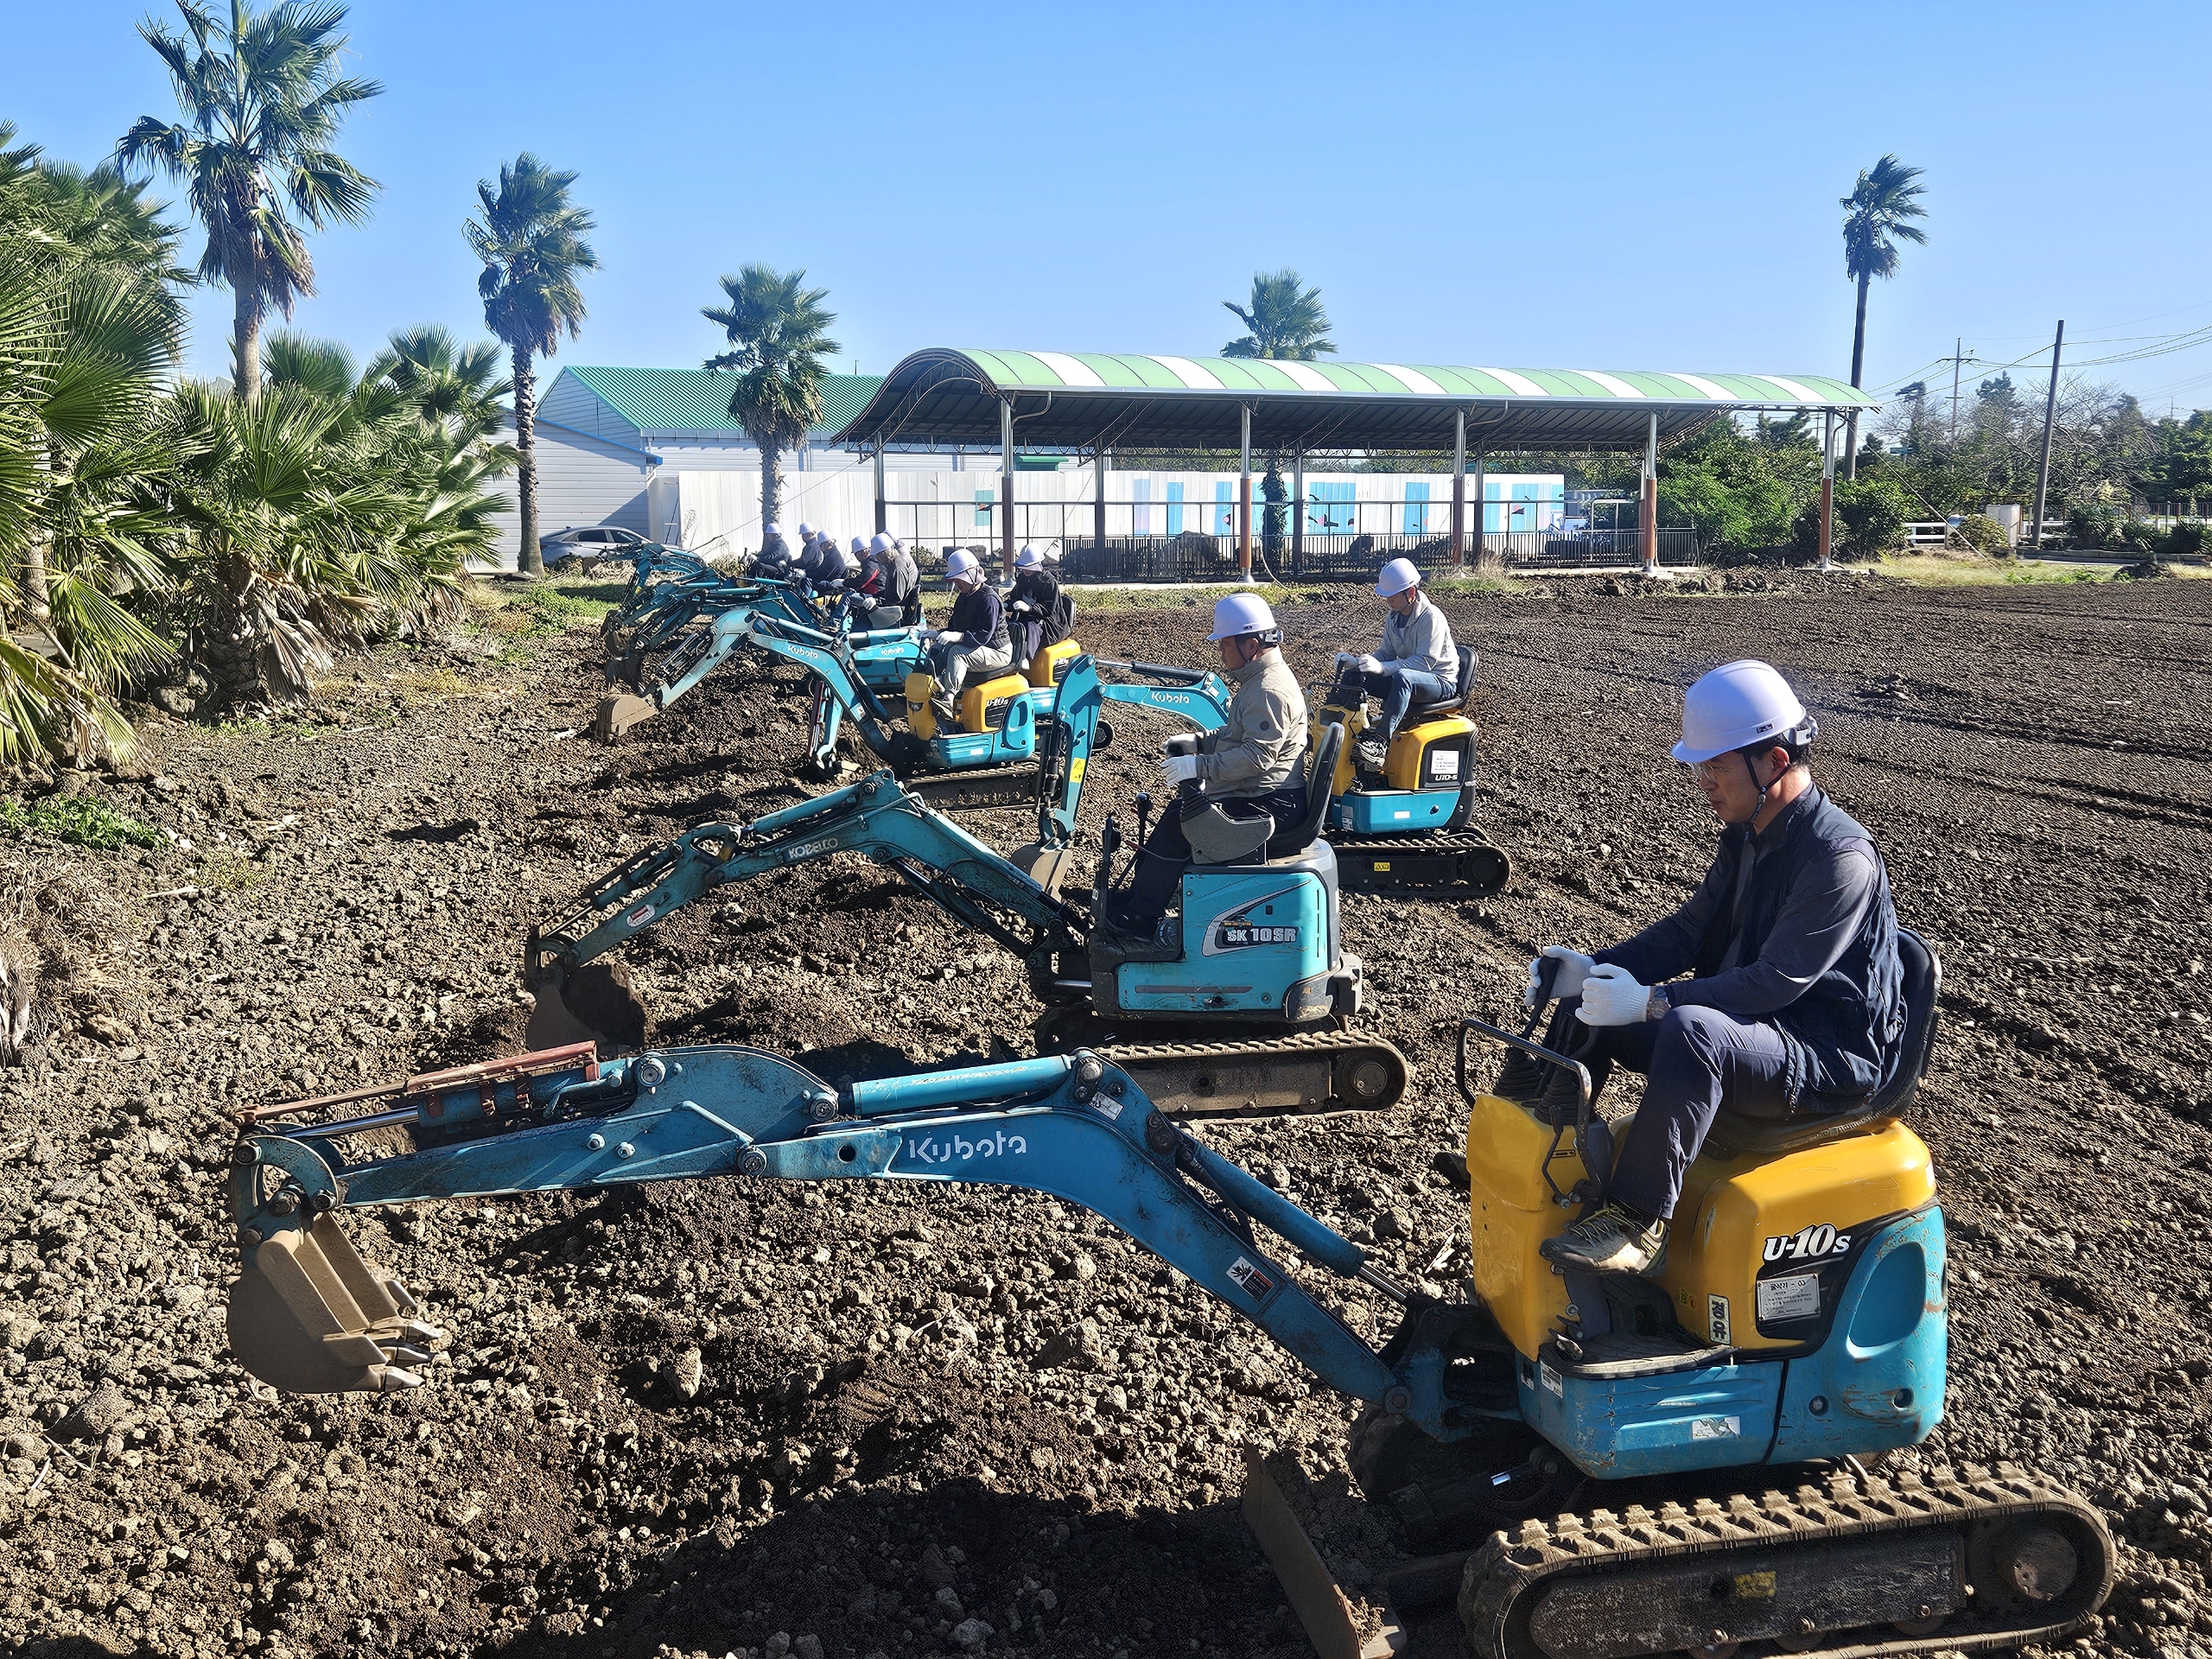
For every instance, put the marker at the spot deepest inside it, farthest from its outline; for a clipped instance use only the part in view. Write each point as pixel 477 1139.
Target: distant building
pixel 603 434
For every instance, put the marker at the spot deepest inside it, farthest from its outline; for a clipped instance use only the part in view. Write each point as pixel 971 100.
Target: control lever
pixel 1144 816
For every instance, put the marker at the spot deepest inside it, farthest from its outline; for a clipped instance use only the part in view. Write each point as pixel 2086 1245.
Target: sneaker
pixel 1614 1240
pixel 947 712
pixel 1370 754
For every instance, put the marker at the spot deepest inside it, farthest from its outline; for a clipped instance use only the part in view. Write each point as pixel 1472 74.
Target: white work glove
pixel 950 640
pixel 1345 659
pixel 1370 665
pixel 1612 996
pixel 1023 607
pixel 1572 967
pixel 1179 769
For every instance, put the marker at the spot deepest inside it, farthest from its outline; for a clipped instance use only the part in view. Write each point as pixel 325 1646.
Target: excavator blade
pixel 620 713
pixel 593 1005
pixel 308 1315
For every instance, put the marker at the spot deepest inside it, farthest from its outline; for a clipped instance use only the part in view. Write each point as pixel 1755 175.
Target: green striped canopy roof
pixel 1075 400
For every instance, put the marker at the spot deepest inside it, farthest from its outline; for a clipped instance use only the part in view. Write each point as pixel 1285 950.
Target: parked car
pixel 590 542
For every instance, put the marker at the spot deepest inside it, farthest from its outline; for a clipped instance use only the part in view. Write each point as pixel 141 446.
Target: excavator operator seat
pixel 1217 838
pixel 1733 1134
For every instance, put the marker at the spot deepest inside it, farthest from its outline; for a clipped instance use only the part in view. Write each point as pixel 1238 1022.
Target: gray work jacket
pixel 1420 640
pixel 1261 745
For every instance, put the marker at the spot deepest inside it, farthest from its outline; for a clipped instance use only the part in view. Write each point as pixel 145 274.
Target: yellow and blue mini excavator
pixel 1679 1465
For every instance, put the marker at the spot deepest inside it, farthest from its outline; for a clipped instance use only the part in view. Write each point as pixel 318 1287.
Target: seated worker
pixel 775 560
pixel 1254 765
pixel 1417 659
pixel 1775 990
pixel 902 582
pixel 974 639
pixel 868 577
pixel 824 564
pixel 1043 615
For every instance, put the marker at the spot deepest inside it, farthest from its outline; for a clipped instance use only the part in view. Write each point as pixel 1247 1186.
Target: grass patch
pixel 77 819
pixel 558 608
pixel 227 873
pixel 425 685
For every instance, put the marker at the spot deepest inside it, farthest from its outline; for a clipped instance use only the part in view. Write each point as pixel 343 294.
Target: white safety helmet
pixel 1028 559
pixel 881 543
pixel 1241 613
pixel 898 545
pixel 859 547
pixel 775 530
pixel 805 530
pixel 1396 577
pixel 960 564
pixel 1738 704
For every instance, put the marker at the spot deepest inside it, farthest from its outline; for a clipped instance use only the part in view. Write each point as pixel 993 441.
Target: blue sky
pixel 1575 185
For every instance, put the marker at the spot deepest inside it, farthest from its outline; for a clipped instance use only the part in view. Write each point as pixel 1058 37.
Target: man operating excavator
pixel 1777 989
pixel 1252 766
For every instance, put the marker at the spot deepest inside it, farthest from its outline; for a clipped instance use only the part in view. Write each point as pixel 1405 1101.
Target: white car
pixel 589 542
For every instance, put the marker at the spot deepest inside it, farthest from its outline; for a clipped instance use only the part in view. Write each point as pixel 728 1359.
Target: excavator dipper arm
pixel 308 1315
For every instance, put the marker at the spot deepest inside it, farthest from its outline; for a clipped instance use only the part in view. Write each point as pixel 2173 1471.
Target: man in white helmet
pixel 775 557
pixel 1415 659
pixel 974 639
pixel 1776 990
pixel 902 582
pixel 867 579
pixel 1254 765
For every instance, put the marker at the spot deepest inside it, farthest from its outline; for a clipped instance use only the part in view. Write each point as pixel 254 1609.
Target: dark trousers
pixel 1397 687
pixel 1692 1061
pixel 1165 855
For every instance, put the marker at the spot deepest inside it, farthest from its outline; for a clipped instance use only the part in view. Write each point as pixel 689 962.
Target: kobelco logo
pixel 807 849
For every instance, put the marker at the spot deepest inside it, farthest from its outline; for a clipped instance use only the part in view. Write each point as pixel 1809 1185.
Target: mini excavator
pixel 655 619
pixel 1722 1414
pixel 1257 944
pixel 1412 827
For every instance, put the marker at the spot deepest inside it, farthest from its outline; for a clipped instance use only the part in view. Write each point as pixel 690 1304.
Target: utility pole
pixel 2050 413
pixel 1958 355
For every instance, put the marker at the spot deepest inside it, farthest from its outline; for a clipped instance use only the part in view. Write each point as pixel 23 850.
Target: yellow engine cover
pixel 983 707
pixel 1050 666
pixel 1730 1213
pixel 921 718
pixel 1353 720
pixel 1402 768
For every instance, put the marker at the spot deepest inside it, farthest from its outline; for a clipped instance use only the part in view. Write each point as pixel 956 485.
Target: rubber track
pixel 1504 1577
pixel 1446 844
pixel 1301 1047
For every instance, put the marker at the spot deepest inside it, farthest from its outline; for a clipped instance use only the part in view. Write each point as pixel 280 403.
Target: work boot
pixel 1370 755
pixel 947 712
pixel 1614 1240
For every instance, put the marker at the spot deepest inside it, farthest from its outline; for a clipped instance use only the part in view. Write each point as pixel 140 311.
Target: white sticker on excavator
pixel 1715 1428
pixel 1551 1380
pixel 1443 763
pixel 1797 1297
pixel 1247 1276
pixel 1716 1317
pixel 1106 1104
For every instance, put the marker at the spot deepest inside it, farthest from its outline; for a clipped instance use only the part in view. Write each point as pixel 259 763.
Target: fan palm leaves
pixel 262 103
pixel 531 238
pixel 778 331
pixel 1286 318
pixel 1882 205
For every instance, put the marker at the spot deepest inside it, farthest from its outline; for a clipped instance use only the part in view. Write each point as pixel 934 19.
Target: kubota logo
pixel 1808 1246
pixel 959 1149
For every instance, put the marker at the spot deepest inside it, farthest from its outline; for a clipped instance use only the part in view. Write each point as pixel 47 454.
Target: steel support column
pixel 882 510
pixel 1827 490
pixel 1297 513
pixel 1458 490
pixel 1244 497
pixel 1482 508
pixel 1098 507
pixel 1647 518
pixel 1006 484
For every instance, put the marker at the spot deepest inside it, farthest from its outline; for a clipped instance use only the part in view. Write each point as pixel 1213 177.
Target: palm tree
pixel 1286 318
pixel 262 102
pixel 1882 205
pixel 531 238
pixel 453 386
pixel 776 329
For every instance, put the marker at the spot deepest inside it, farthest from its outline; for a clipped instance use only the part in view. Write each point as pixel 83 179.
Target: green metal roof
pixel 1071 400
pixel 670 402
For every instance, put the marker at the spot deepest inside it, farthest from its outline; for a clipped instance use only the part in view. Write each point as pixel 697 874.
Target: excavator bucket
pixel 595 1004
pixel 1047 866
pixel 308 1315
pixel 620 713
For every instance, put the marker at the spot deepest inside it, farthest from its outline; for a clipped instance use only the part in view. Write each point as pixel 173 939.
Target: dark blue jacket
pixel 1837 997
pixel 978 613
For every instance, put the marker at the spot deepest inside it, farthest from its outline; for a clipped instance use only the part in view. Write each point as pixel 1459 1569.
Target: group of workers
pixel 1776 990
pixel 875 582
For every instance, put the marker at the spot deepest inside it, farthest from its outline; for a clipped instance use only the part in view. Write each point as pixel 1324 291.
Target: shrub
pixel 2139 536
pixel 1980 533
pixel 2187 539
pixel 75 819
pixel 2092 524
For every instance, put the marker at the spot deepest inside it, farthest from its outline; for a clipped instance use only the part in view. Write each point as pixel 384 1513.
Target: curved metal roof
pixel 1076 399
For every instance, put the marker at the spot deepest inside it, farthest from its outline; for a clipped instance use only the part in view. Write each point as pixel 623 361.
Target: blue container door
pixel 1224 510
pixel 1174 509
pixel 1416 510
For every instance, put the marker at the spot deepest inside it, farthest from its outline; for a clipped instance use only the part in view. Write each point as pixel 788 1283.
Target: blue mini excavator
pixel 1728 1451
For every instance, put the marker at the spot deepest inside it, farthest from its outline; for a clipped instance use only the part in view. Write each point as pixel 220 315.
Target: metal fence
pixel 1191 557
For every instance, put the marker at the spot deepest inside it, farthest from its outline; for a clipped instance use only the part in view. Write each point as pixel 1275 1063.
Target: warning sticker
pixel 1715 1428
pixel 1443 763
pixel 1716 1317
pixel 1551 1381
pixel 1247 1276
pixel 1797 1297
pixel 1106 1104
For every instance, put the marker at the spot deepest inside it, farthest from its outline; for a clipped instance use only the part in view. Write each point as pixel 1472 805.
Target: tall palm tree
pixel 531 238
pixel 1286 318
pixel 778 330
pixel 1882 205
pixel 262 102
